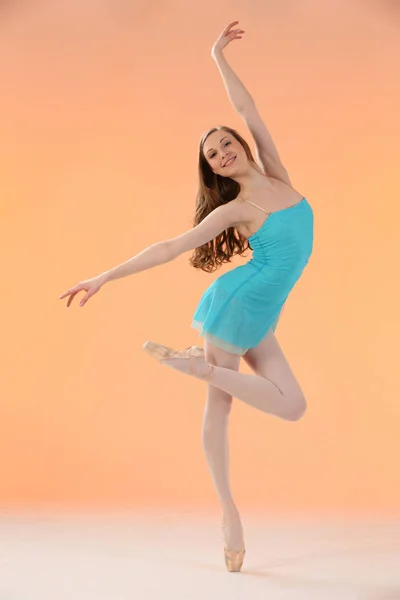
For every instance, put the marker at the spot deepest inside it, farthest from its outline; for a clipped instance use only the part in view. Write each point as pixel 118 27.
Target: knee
pixel 215 421
pixel 214 428
pixel 210 437
pixel 298 410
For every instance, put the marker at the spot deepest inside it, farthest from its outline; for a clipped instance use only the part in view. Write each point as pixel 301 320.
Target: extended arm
pixel 218 220
pixel 245 105
pixel 150 257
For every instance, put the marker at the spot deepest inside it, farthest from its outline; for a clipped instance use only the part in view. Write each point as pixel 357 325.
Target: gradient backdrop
pixel 102 106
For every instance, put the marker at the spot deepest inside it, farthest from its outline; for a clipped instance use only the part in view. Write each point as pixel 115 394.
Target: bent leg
pixel 273 389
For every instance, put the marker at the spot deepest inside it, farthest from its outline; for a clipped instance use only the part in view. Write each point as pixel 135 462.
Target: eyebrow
pixel 219 142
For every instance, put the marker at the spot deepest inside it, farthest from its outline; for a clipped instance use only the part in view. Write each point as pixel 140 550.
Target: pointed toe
pixel 160 352
pixel 234 560
pixel 157 351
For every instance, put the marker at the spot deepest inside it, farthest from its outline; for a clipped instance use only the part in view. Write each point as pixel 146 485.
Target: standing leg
pixel 216 444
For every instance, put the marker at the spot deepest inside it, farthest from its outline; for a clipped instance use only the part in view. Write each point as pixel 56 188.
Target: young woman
pixel 239 205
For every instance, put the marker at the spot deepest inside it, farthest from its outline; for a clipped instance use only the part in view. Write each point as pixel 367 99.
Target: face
pixel 224 153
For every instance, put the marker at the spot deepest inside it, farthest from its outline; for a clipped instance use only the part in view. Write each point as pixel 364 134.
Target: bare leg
pixel 274 389
pixel 216 445
pixel 260 393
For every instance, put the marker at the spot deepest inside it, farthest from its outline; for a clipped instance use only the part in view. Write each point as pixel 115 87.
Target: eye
pixel 226 144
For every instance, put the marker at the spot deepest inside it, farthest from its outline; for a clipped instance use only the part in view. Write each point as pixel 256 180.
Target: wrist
pixel 216 54
pixel 104 278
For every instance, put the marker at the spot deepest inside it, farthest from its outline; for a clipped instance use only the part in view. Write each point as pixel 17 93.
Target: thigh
pixel 268 360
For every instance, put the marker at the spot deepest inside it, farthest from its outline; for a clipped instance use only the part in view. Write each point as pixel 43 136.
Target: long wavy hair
pixel 213 191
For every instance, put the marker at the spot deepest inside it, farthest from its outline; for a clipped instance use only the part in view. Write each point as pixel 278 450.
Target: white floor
pixel 178 555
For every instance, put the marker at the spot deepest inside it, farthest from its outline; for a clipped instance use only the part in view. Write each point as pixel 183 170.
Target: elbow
pixel 171 251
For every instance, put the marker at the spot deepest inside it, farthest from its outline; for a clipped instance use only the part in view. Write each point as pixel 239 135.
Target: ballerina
pixel 241 203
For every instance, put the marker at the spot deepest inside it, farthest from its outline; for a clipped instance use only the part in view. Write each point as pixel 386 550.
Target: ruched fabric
pixel 241 306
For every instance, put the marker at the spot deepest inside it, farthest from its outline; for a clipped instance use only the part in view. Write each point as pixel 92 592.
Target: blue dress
pixel 241 306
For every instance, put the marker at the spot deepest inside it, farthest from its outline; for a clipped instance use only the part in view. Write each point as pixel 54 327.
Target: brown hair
pixel 214 191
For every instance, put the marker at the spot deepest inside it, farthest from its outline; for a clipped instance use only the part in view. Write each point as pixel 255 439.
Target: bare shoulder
pixel 240 210
pixel 274 196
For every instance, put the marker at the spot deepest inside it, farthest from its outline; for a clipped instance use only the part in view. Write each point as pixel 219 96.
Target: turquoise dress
pixel 241 306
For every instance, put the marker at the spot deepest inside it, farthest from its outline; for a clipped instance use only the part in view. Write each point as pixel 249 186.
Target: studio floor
pixel 177 555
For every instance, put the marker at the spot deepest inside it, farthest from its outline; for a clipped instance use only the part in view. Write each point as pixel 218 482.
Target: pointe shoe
pixel 160 352
pixel 233 558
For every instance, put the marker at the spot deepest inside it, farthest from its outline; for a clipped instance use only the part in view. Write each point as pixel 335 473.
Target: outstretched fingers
pixel 234 34
pixel 71 293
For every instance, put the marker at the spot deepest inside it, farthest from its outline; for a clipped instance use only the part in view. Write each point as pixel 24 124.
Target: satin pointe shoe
pixel 160 353
pixel 233 558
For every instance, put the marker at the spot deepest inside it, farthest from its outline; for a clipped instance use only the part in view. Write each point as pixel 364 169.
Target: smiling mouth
pixel 230 162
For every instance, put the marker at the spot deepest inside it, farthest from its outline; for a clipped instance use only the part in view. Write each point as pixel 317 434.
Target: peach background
pixel 102 107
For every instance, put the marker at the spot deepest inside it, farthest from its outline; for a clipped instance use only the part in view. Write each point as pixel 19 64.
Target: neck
pixel 250 180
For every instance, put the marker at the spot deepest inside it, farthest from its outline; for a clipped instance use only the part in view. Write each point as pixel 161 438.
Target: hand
pixel 91 287
pixel 226 37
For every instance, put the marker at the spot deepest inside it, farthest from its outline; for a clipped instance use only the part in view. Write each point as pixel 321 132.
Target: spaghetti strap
pixel 241 306
pixel 256 205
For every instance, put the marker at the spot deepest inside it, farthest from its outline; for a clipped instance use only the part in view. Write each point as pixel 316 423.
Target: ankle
pixel 210 372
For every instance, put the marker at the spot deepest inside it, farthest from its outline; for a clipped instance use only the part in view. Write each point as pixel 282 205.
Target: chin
pixel 228 172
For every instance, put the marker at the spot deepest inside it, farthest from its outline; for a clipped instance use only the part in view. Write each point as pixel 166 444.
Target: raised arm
pixel 243 102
